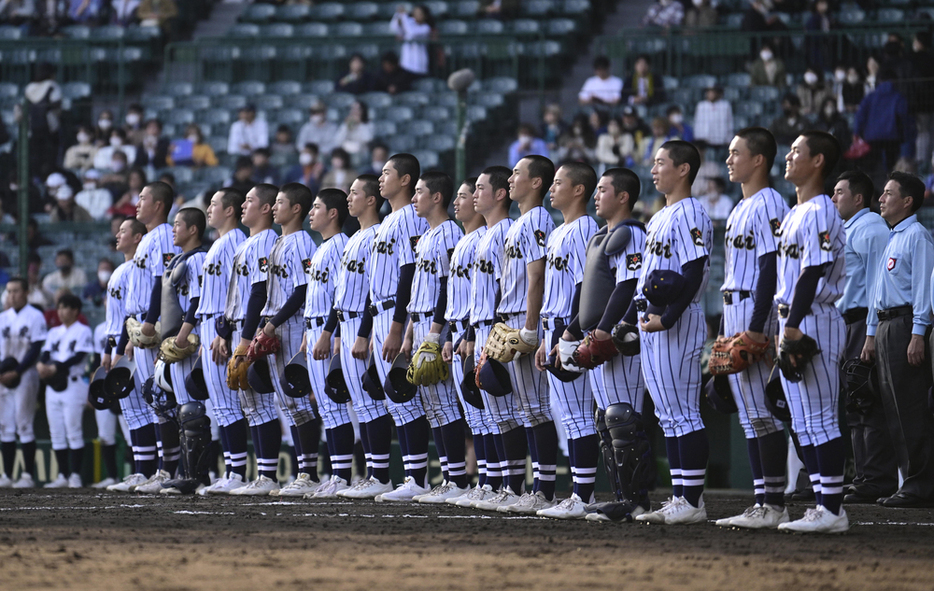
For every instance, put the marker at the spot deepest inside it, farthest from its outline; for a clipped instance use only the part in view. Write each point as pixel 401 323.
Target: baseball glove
pixel 626 339
pixel 237 368
pixel 134 329
pixel 427 367
pixel 262 345
pixel 170 353
pixel 794 356
pixel 592 352
pixel 736 353
pixel 505 344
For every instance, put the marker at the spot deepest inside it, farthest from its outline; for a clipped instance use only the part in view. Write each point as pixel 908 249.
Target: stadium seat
pixel 231 102
pixel 447 128
pixel 311 30
pixel 427 159
pixel 245 29
pixel 437 9
pixel 213 174
pixel 143 33
pixel 490 100
pixel 319 87
pixel 10 32
pixel 178 88
pixel 436 113
pixel 277 30
pixel 347 30
pixel 465 9
pixel 764 94
pixel 561 26
pixel 890 15
pixel 430 85
pixel 699 81
pixel 575 7
pixel 476 113
pixel 290 117
pixel 159 102
pixel 108 32
pixel 525 26
pixel 741 79
pixel 293 13
pixel 8 90
pixel 301 101
pixel 183 174
pixel 249 88
pixel 377 100
pixel 413 98
pixel 340 100
pixel 452 27
pixel 362 11
pixel 377 29
pixel 734 20
pixel 214 117
pixel 268 102
pixel 75 90
pixel 398 114
pixel 258 13
pixel 501 85
pixel 213 89
pixel 328 11
pixel 748 109
pixel 439 143
pixel 402 143
pixel 77 32
pixel 218 144
pixel 179 116
pixel 537 8
pixel 420 128
pixel 384 129
pixel 489 27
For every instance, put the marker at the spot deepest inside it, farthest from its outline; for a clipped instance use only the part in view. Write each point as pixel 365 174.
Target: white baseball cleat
pixel 5 481
pixel 104 483
pixel 299 487
pixel 818 521
pixel 405 492
pixel 74 481
pixel 434 490
pixel 478 493
pixel 528 504
pixel 128 483
pixel 329 489
pixel 59 482
pixel 366 489
pixel 262 486
pixel 676 511
pixel 502 499
pixel 223 486
pixel 448 491
pixel 570 508
pixel 757 517
pixel 154 484
pixel 25 481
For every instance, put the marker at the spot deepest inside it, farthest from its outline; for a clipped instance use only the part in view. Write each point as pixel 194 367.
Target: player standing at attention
pixel 679 239
pixel 899 319
pixel 327 217
pixel 810 279
pixel 571 190
pixel 874 459
pixel 751 240
pixel 22 333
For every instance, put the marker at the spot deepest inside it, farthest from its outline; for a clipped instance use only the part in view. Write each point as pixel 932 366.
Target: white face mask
pixel 116 142
pixel 117 165
pixel 698 2
pixel 132 119
pixel 810 78
pixel 305 159
pixel 104 276
pixel 89 186
pixel 193 138
pixel 839 75
pixel 676 118
pixel 852 78
pixel 766 55
pixel 525 139
pixel 829 112
pixel 317 118
pixel 104 123
pixel 83 138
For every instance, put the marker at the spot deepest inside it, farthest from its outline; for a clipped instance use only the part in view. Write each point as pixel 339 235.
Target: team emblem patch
pixel 263 264
pixel 540 237
pixel 634 261
pixel 697 236
pixel 167 257
pixel 306 265
pixel 891 263
pixel 776 225
pixel 824 240
pixel 414 241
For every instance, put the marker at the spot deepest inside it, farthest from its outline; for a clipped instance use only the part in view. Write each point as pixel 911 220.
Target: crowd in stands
pixel 38 17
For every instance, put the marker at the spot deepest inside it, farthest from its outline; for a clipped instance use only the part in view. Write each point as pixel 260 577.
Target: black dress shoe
pixel 803 496
pixel 855 498
pixel 903 500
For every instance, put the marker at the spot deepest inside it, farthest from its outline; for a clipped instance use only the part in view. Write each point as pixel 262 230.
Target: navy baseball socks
pixel 694 450
pixel 512 458
pixel 234 439
pixel 454 446
pixel 307 437
pixel 267 439
pixel 811 464
pixel 479 452
pixel 340 441
pixel 379 437
pixel 416 436
pixel 145 445
pixel 674 465
pixel 171 447
pixel 584 452
pixel 773 453
pixel 438 438
pixel 8 451
pixel 831 459
pixel 543 445
pixel 494 470
pixel 75 460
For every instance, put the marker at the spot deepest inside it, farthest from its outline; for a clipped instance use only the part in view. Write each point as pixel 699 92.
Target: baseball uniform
pixel 19 330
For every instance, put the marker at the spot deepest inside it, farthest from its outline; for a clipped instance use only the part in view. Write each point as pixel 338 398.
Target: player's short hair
pixel 22 282
pixel 626 180
pixel 66 252
pixel 860 184
pixel 335 199
pixel 910 186
pixel 499 179
pixel 760 142
pixel 438 182
pixel 231 197
pixel 137 228
pixel 69 300
pixel 471 183
pixel 821 142
pixel 682 152
pixel 163 193
pixel 370 184
pixel 541 168
pixel 406 164
pixel 267 194
pixel 298 194
pixel 192 216
pixel 582 173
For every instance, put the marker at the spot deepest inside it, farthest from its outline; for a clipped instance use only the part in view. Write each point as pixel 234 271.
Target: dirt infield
pixel 84 540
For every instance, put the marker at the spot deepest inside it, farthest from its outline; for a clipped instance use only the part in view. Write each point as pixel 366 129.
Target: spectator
pixel 308 171
pixel 415 32
pixel 922 59
pixel 644 87
pixel 602 88
pixel 357 80
pixel 502 9
pixel 665 14
pixel 81 155
pixel 615 147
pixel 154 149
pixel 650 144
pixel 123 12
pixel 67 276
pixel 18 12
pixel 96 289
pixel 817 43
pixel 634 125
pixel 578 144
pixel 812 91
pixel 94 199
pixel 318 130
pixel 53 183
pixel 126 204
pixel 552 126
pixel 134 124
pixel 85 11
pixel 247 133
pixel 44 106
pixel 282 149
pixel 341 174
pixel 598 121
pixel 758 19
pixel 884 122
pixel 713 119
pixel 872 71
pixel 243 171
pixel 678 130
pixel 768 70
pixel 830 120
pixel 157 13
pixel 105 123
pixel 263 170
pixel 379 155
pixel 356 132
pixel 66 210
pixel 526 145
pixel 852 91
pixel 787 127
pixel 191 151
pixel 37 296
pixel 115 178
pixel 104 158
pixel 702 15
pixel 717 204
pixel 392 78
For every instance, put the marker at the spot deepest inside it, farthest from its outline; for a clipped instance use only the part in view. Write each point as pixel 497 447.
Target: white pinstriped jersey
pixel 100 338
pixel 189 287
pixel 18 330
pixel 487 268
pixel 216 273
pixel 564 267
pixel 462 262
pixel 289 258
pixel 628 262
pixel 117 288
pixel 393 247
pixel 250 266
pixel 154 252
pixel 434 251
pixel 752 230
pixel 525 243
pixel 64 342
pixel 353 277
pixel 322 276
pixel 812 234
pixel 676 235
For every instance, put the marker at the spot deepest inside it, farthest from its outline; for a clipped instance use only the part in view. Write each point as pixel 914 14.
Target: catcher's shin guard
pixel 631 450
pixel 195 441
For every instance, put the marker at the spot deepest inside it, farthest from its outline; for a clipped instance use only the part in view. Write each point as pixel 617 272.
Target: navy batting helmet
pixel 662 287
pixel 775 399
pixel 258 376
pixel 335 387
pixel 553 367
pixel 59 380
pixel 98 396
pixel 195 385
pixel 469 389
pixel 370 380
pixel 862 385
pixel 719 395
pixel 119 380
pixel 10 364
pixel 493 377
pixel 397 388
pixel 295 381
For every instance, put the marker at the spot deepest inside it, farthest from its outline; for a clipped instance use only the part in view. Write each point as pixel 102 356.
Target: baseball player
pixel 899 318
pixel 327 217
pixel 679 239
pixel 139 416
pixel 810 279
pixel 751 240
pixel 571 190
pixel 352 305
pixel 107 419
pixel 144 302
pixel 246 297
pixel 22 334
pixel 874 457
pixel 60 366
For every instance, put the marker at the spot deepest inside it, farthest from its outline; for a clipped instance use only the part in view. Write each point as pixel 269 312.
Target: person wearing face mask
pixel 65 209
pixel 96 288
pixel 104 158
pixel 191 151
pixel 134 128
pixel 379 155
pixel 615 147
pixel 526 144
pixel 341 174
pixel 678 130
pixel 318 130
pixel 96 200
pixel 308 171
pixel 812 91
pixel 81 155
pixel 67 276
pixel 831 121
pixel 105 122
pixel 665 14
pixel 356 132
pixel 154 148
pixel 282 147
pixel 787 127
pixel 852 90
pixel 884 121
pixel 702 15
pixel 768 70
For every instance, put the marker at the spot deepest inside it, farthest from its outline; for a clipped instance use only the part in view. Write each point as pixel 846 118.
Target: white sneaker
pixel 436 489
pixel 262 486
pixel 757 517
pixel 404 493
pixel 502 499
pixel 5 481
pixel 74 481
pixel 329 489
pixel 104 483
pixel 478 493
pixel 449 491
pixel 59 482
pixel 224 485
pixel 818 521
pixel 128 484
pixel 570 508
pixel 154 484
pixel 366 489
pixel 25 481
pixel 676 511
pixel 299 487
pixel 528 504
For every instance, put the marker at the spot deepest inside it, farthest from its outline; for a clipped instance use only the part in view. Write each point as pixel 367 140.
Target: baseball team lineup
pixel 496 328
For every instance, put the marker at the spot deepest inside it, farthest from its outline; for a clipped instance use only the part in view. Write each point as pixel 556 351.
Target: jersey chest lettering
pixel 513 252
pixel 659 248
pixel 427 266
pixel 484 266
pixel 213 269
pixel 559 263
pixel 461 272
pixel 383 247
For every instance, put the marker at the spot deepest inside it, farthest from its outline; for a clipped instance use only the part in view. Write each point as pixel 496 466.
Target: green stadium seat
pixel 398 114
pixel 231 102
pixel 134 33
pixel 384 129
pixel 347 30
pixel 748 109
pixel 445 99
pixel 412 98
pixel 561 26
pixel 178 88
pixel 159 102
pixel 268 102
pixel 489 27
pixel 213 174
pixel 465 9
pixel 290 117
pixel 403 143
pixel 182 174
pixel 10 32
pixel 385 10
pixel 537 8
pixel 735 93
pixel 328 11
pixel 476 113
pixel 526 26
pixel 890 15
pixel 377 29
pixel 258 13
pixel 575 7
pixel 436 114
pixel 75 90
pixel 218 143
pixel 764 94
pixel 214 117
pixel 255 62
pixel 311 30
pixel 490 100
pixel 429 85
pixel 362 11
pixel 369 51
pixel 851 15
pixel 437 9
pixel 293 13
pixel 439 143
pixel 284 88
pixel 108 32
pixel 179 116
pixel 340 100
pixel 452 27
pixel 700 81
pixel 420 128
pixel 319 87
pixel 195 102
pixel 213 89
pixel 447 128
pixel 686 97
pixel 301 101
pixel 77 32
pixel 250 88
pixel 670 82
pixel 377 100
pixel 501 84
pixel 739 79
pixel 734 20
pixel 244 30
pixel 9 90
pixel 427 159
pixel 277 30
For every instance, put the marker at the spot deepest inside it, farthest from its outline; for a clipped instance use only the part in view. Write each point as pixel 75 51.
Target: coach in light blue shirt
pixel 902 300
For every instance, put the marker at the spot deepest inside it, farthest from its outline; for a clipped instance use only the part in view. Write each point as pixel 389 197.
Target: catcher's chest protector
pixel 171 312
pixel 599 279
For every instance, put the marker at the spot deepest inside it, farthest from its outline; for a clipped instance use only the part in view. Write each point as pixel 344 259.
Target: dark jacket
pixel 883 116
